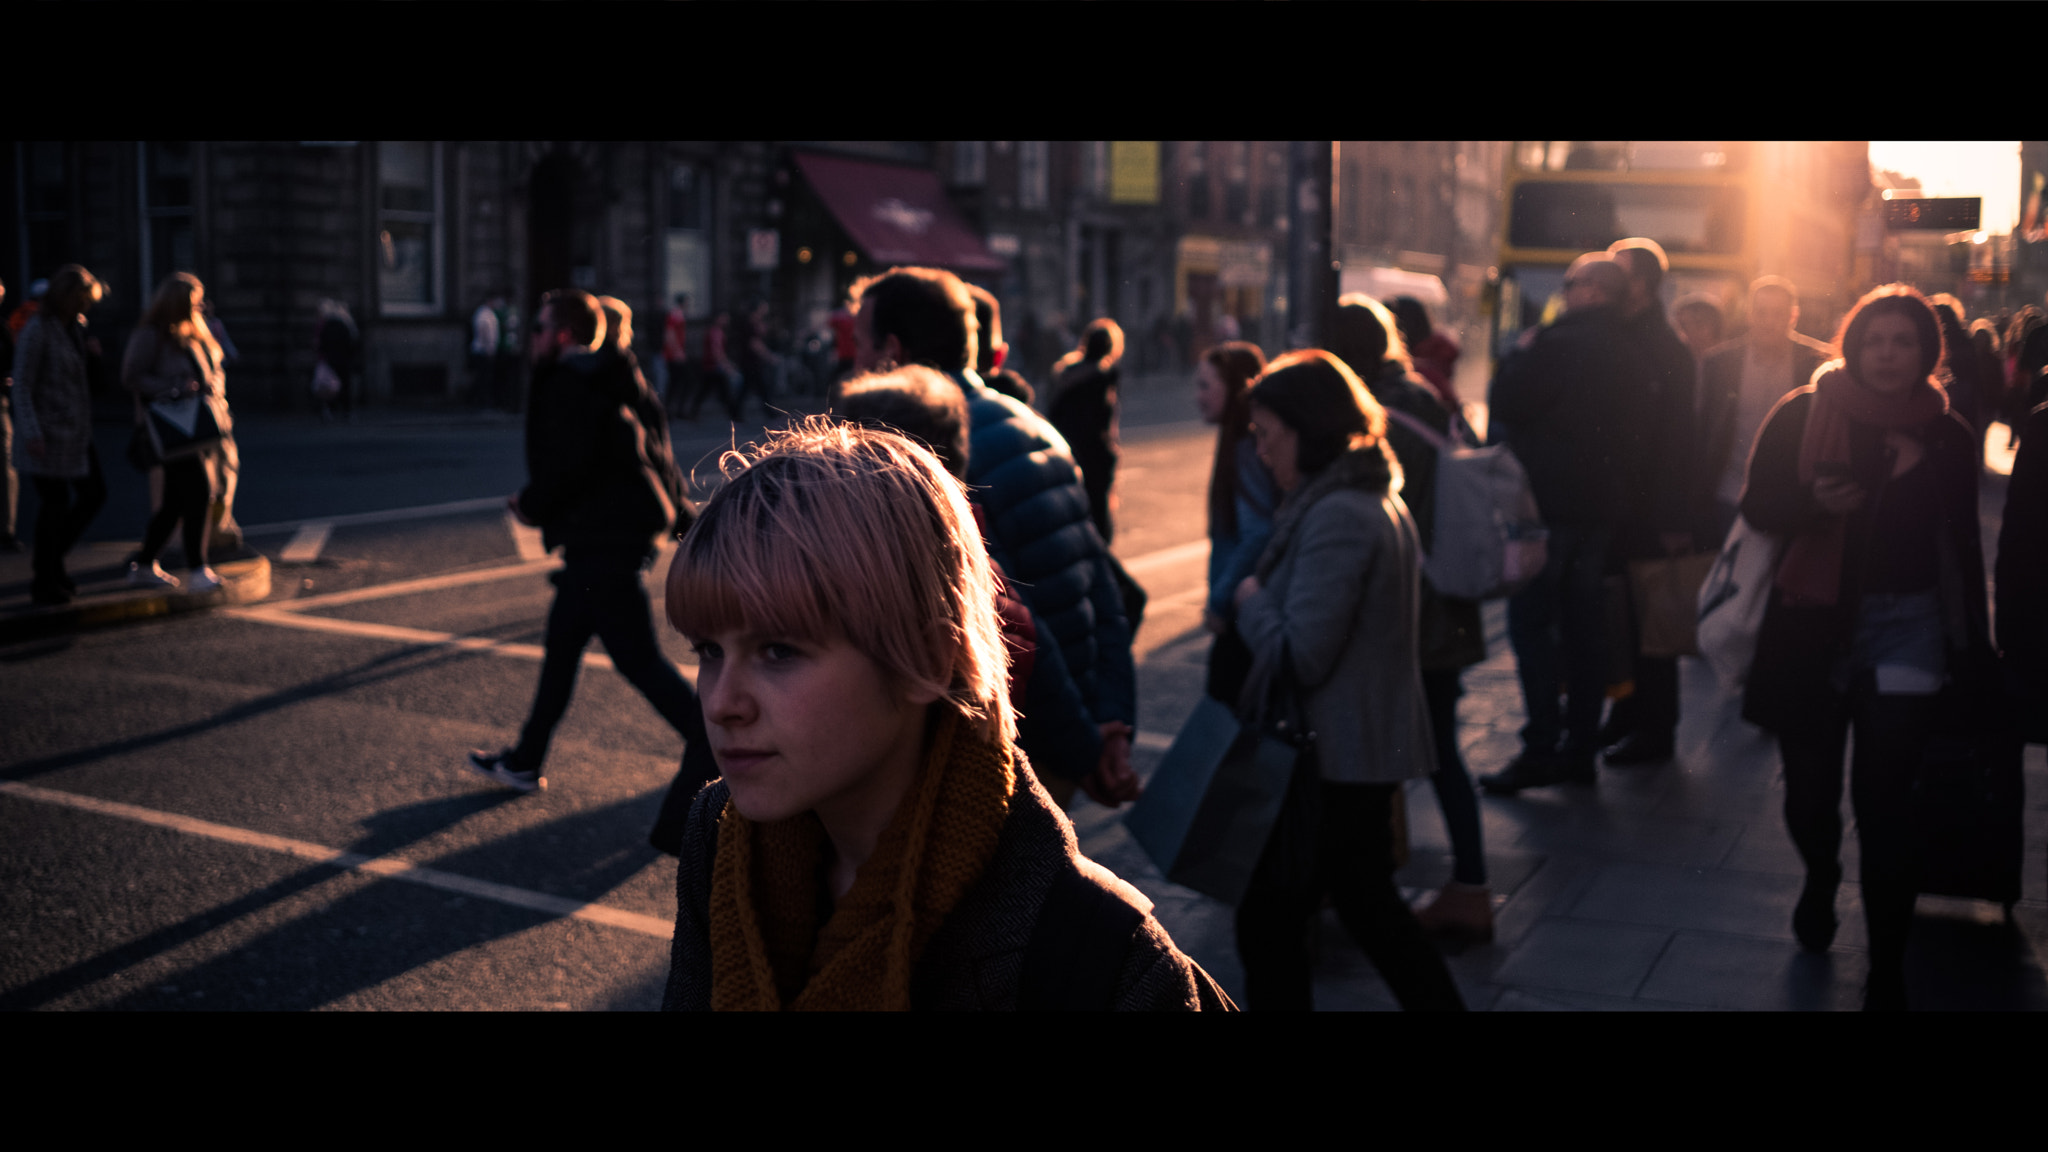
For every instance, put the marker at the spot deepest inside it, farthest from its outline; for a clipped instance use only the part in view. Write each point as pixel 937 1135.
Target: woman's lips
pixel 739 759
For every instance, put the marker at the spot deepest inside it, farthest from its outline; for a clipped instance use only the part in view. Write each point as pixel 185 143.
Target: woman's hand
pixel 1246 590
pixel 1113 781
pixel 1838 495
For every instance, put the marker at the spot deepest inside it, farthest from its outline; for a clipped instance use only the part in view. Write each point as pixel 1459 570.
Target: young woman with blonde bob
pixel 876 840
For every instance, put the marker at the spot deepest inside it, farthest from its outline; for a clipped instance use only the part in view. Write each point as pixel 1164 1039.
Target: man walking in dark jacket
pixel 1564 404
pixel 1643 724
pixel 1740 382
pixel 599 490
pixel 1037 510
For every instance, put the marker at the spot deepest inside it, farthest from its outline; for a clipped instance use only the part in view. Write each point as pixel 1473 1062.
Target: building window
pixel 970 163
pixel 689 235
pixel 1237 186
pixel 1273 189
pixel 164 176
pixel 1033 176
pixel 45 208
pixel 1095 168
pixel 409 272
pixel 1195 170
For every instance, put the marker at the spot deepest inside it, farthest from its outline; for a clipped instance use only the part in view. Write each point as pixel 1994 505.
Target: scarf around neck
pixel 1370 469
pixel 1811 572
pixel 778 942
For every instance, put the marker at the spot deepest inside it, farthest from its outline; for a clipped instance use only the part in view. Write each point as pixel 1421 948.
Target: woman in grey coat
pixel 53 427
pixel 1331 616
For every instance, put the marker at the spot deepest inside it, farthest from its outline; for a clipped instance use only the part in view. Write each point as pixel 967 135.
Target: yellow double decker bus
pixel 1724 211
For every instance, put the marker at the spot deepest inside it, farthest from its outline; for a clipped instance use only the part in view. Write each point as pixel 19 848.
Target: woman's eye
pixel 778 652
pixel 706 651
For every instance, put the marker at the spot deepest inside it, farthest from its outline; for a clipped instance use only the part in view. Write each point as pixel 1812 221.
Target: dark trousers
pixel 1454 794
pixel 66 509
pixel 188 499
pixel 1652 709
pixel 1557 627
pixel 1891 737
pixel 1336 838
pixel 612 606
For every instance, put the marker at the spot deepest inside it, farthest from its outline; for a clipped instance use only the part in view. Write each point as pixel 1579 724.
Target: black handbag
pixel 182 427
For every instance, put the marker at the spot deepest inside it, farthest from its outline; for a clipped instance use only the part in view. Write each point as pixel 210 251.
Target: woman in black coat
pixel 1878 609
pixel 1084 411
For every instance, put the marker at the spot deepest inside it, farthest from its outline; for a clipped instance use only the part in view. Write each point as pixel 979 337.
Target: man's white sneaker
pixel 153 576
pixel 200 581
pixel 498 767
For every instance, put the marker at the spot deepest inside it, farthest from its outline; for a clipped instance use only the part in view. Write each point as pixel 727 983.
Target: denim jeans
pixel 1557 627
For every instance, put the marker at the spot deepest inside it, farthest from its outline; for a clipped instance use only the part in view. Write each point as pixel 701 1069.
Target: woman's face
pixel 1888 360
pixel 1279 447
pixel 798 726
pixel 1211 395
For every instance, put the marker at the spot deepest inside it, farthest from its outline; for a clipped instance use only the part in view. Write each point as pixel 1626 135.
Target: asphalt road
pixel 265 807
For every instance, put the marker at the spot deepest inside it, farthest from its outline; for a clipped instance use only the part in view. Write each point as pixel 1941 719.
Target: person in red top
pixel 674 352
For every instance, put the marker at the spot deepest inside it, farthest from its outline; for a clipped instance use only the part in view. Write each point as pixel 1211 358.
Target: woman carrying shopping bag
pixel 1877 607
pixel 1332 608
pixel 173 365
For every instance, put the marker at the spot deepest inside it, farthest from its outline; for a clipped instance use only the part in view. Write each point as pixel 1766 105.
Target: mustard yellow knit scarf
pixel 768 950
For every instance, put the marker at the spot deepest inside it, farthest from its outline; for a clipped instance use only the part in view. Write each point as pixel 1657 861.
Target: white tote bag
pixel 1732 601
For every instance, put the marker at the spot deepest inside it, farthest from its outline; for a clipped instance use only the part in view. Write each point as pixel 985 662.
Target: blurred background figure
pixel 1242 498
pixel 53 442
pixel 10 481
pixel 171 356
pixel 483 353
pixel 1451 635
pixel 991 353
pixel 1741 381
pixel 675 353
pixel 336 341
pixel 1973 393
pixel 716 374
pixel 1083 408
pixel 1699 323
pixel 1432 350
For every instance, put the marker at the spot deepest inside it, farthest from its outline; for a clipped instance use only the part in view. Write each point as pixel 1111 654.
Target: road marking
pixel 389 515
pixel 1166 556
pixel 385 866
pixel 407 587
pixel 307 542
pixel 525 538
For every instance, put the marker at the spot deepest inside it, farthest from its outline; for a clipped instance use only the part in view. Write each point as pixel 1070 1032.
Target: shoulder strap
pixel 1078 946
pixel 1435 438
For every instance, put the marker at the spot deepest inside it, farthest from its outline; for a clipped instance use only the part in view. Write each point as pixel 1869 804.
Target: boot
pixel 1462 912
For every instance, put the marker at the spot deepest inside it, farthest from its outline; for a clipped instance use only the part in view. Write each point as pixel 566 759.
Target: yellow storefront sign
pixel 1134 171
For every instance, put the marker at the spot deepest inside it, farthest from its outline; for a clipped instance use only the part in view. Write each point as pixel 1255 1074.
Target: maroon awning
pixel 897 215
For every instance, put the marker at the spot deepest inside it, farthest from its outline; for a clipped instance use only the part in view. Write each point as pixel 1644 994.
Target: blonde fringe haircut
pixel 832 529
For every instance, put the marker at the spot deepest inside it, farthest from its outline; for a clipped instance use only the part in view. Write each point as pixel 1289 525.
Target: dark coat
pixel 1720 394
pixel 597 481
pixel 1084 410
pixel 1667 445
pixel 2023 568
pixel 974 961
pixel 1041 536
pixel 1569 409
pixel 1797 646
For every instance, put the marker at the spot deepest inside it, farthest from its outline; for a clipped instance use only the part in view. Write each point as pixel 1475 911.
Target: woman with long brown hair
pixel 1241 502
pixel 1877 609
pixel 173 356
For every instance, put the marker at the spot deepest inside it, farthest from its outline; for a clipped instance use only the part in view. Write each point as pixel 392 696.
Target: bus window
pixel 1587 217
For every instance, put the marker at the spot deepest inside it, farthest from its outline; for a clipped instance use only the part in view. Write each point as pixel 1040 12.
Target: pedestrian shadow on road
pixel 370 930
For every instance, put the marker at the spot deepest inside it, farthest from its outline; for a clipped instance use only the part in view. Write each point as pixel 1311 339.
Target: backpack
pixel 1489 538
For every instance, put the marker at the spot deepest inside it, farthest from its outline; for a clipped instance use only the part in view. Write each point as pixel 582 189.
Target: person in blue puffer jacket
pixel 1041 535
